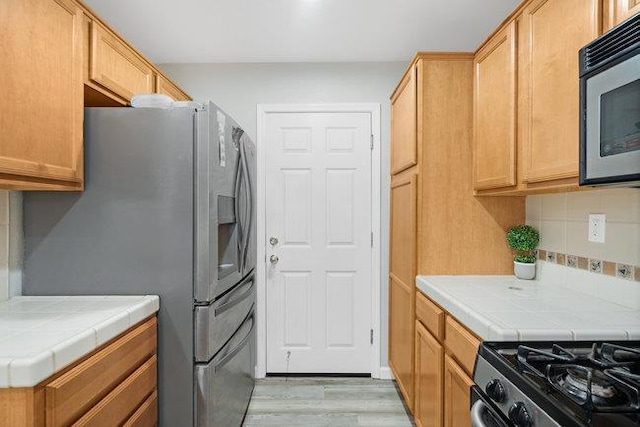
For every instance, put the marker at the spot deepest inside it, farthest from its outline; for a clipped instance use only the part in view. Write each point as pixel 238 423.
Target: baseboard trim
pixel 385 373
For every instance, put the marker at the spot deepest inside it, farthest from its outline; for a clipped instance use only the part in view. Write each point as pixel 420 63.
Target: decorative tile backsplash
pixel 563 223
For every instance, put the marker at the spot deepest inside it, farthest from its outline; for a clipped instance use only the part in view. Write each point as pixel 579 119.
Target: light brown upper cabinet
pixel 526 122
pixel 404 150
pixel 166 87
pixel 41 102
pixel 495 111
pixel 115 67
pixel 616 11
pixel 552 33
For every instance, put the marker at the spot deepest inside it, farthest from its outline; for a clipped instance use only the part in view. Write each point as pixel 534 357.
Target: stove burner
pixel 606 379
pixel 577 382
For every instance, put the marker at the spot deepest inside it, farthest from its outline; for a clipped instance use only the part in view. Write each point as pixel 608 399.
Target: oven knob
pixel 519 415
pixel 495 390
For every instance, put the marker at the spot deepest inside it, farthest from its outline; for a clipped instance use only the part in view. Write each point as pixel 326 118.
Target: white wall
pixel 238 88
pixel 10 244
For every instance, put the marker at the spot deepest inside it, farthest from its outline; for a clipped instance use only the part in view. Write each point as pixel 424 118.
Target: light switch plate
pixel 597 227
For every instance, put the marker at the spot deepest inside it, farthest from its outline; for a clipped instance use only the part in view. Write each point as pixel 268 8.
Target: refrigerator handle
pixel 247 183
pixel 237 191
pixel 227 357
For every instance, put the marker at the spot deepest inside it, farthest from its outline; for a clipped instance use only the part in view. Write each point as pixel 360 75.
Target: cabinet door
pixel 401 337
pixel 428 377
pixel 495 112
pixel 166 87
pixel 616 11
pixel 403 229
pixel 41 103
pixel 404 153
pixel 115 67
pixel 457 395
pixel 552 33
pixel 402 282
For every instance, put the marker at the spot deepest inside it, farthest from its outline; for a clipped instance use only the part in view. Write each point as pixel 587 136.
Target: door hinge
pixel 372 142
pixel 371 336
pixel 372 239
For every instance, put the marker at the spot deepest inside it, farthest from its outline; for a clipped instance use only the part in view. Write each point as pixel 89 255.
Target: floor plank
pixel 339 402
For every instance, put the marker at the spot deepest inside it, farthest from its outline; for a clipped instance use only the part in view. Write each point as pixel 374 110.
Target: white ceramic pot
pixel 524 270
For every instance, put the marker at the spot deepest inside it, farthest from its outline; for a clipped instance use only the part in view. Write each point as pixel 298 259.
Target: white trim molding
pixel 374 110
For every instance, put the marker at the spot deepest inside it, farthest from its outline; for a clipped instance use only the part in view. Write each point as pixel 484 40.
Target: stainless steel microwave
pixel 610 107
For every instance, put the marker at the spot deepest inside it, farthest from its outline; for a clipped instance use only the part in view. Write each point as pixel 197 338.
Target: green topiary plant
pixel 524 240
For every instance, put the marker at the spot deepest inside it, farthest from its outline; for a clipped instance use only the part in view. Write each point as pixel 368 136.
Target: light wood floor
pixel 336 402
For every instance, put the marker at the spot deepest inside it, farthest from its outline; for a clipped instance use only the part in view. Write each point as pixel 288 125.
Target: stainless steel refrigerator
pixel 168 209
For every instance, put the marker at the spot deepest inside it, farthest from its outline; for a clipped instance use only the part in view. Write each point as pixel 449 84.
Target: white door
pixel 318 209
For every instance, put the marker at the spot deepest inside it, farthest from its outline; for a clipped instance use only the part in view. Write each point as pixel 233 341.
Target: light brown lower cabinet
pixel 114 385
pixel 428 379
pixel 457 394
pixel 444 354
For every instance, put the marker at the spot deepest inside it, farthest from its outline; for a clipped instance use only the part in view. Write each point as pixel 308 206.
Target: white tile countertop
pixel 40 335
pixel 503 308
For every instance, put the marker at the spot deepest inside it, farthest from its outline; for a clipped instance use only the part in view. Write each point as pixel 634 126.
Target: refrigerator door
pixel 217 233
pixel 215 323
pixel 224 385
pixel 247 204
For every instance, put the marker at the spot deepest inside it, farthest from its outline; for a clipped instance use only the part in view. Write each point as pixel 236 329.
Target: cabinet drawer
pixel 118 405
pixel 147 414
pixel 431 316
pixel 114 66
pixel 461 344
pixel 72 394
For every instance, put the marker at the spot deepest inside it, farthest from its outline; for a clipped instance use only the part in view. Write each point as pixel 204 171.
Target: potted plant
pixel 523 239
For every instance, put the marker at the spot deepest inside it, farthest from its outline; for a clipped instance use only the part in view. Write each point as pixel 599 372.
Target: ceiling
pixel 201 31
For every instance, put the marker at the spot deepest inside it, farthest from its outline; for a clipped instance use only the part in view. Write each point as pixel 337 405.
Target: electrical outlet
pixel 597 227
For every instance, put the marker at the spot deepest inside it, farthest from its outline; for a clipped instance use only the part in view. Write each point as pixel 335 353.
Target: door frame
pixel 263 110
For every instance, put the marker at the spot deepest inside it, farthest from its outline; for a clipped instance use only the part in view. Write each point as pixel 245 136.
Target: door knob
pixel 274 259
pixel 273 241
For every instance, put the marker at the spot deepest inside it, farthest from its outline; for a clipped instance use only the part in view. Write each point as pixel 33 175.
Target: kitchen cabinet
pixel 436 221
pixel 114 385
pixel 113 67
pixel 428 379
pixel 56 58
pixel 530 144
pixel 494 110
pixel 402 272
pixel 166 87
pixel 552 33
pixel 457 395
pixel 41 103
pixel 616 11
pixel 445 356
pixel 403 124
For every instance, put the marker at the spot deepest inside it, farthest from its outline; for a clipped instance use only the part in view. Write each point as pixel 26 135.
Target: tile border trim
pixel 593 265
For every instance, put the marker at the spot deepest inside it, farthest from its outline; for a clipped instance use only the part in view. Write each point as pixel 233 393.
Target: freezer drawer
pixel 215 323
pixel 224 385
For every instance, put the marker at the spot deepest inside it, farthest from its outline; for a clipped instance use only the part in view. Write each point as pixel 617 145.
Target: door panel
pixel 552 33
pixel 457 394
pixel 318 170
pixel 495 112
pixel 404 151
pixel 428 375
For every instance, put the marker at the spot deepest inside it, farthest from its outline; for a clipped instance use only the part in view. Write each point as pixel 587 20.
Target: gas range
pixel 572 384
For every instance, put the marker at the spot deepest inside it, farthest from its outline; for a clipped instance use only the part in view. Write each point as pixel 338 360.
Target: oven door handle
pixel 477 411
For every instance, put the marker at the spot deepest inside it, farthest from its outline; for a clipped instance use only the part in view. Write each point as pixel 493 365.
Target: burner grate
pixel 604 379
